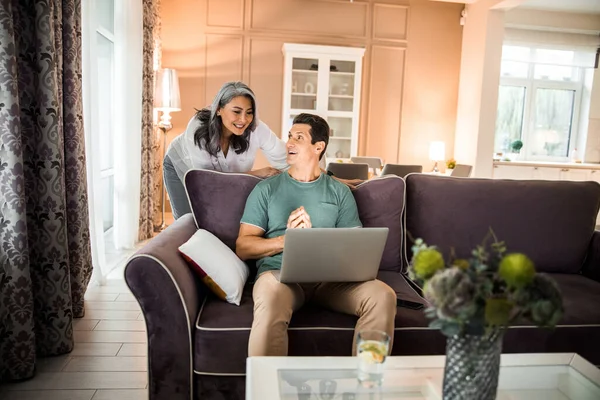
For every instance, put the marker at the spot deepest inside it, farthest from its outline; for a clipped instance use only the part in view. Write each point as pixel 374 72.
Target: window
pixel 539 101
pixel 112 44
pixel 103 100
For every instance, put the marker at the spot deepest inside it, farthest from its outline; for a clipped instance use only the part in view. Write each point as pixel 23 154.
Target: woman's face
pixel 236 115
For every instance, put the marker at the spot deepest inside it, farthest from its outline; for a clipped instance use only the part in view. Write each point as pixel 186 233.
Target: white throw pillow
pixel 217 265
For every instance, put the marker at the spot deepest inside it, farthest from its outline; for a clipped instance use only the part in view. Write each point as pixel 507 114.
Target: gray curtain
pixel 45 252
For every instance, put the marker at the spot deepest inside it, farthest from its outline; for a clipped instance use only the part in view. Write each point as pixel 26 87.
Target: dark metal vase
pixel 472 366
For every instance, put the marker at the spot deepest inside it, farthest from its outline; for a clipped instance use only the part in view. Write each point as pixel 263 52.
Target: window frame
pixel 531 86
pixel 106 173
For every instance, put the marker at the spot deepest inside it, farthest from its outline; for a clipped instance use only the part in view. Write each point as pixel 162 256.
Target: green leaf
pixel 497 311
pixel 437 323
pixel 450 329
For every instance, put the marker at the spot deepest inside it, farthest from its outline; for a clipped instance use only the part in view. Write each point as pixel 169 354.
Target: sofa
pixel 197 344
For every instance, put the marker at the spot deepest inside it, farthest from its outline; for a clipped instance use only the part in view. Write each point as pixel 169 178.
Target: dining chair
pixel 401 170
pixel 349 170
pixel 373 162
pixel 462 171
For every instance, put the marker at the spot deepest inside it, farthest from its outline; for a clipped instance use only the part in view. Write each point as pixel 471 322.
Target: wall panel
pixel 223 61
pixel 266 80
pixel 312 17
pixel 390 22
pixel 385 102
pixel 225 13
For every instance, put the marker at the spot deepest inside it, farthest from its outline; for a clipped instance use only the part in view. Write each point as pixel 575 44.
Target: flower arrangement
pixel 486 292
pixel 451 163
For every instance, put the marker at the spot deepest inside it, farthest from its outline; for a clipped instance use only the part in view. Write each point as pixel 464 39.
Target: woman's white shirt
pixel 186 155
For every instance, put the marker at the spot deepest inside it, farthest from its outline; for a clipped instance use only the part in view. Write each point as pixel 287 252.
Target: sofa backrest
pixel 380 203
pixel 551 222
pixel 218 199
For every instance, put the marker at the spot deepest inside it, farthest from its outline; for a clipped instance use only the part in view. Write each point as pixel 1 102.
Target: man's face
pixel 300 150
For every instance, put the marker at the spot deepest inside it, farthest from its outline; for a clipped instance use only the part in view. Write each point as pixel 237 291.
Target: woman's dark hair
pixel 208 134
pixel 319 129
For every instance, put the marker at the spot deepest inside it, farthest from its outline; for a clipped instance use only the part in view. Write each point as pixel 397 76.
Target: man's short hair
pixel 319 129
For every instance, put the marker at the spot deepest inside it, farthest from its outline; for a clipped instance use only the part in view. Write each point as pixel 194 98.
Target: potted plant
pixel 515 148
pixel 472 302
pixel 450 165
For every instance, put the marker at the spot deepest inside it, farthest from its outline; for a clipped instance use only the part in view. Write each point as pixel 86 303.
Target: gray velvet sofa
pixel 197 344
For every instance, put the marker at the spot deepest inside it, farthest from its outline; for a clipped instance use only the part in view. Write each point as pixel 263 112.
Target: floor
pixel 109 360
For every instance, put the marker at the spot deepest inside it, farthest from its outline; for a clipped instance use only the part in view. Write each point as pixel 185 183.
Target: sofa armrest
pixel 169 296
pixel 591 266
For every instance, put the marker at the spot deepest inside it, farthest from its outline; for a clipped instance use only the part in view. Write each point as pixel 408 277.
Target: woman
pixel 223 137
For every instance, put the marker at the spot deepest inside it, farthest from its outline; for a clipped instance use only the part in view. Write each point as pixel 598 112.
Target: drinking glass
pixel 372 348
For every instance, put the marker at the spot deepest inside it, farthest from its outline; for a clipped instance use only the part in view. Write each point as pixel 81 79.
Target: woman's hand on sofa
pixel 351 183
pixel 265 172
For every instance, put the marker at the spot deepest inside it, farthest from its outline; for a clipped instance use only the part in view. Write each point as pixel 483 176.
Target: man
pixel 303 197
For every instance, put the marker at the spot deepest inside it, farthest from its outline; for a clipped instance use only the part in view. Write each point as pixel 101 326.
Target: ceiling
pixel 578 6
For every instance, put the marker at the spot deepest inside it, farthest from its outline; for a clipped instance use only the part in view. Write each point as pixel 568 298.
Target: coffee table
pixel 559 376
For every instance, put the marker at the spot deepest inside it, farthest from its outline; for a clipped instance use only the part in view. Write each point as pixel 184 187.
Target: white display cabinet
pixel 325 80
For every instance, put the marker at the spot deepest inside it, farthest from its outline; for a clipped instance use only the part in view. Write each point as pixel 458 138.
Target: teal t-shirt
pixel 329 203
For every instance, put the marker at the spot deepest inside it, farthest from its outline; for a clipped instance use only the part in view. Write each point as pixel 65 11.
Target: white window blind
pixel 584 46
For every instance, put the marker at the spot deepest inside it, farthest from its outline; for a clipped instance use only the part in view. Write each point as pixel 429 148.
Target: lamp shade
pixel 437 151
pixel 166 90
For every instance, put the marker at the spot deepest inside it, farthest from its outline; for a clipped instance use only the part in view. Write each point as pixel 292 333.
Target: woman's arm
pixel 273 147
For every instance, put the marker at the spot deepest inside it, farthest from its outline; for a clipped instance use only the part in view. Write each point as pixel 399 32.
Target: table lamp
pixel 166 100
pixel 437 152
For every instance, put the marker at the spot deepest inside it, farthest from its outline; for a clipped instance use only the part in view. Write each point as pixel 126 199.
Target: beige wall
pixel 430 81
pixel 478 88
pixel 411 63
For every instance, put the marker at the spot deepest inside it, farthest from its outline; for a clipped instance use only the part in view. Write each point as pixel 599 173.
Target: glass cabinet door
pixel 340 107
pixel 324 80
pixel 340 137
pixel 341 85
pixel 304 83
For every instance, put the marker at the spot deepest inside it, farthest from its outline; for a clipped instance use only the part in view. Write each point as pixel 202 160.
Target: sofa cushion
pixel 217 200
pixel 222 330
pixel 380 203
pixel 217 266
pixel 577 331
pixel 551 222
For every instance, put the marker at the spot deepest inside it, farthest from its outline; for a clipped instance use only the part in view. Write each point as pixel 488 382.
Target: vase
pixel 472 366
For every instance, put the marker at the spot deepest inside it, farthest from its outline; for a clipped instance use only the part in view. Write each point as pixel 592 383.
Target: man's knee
pixel 382 297
pixel 272 298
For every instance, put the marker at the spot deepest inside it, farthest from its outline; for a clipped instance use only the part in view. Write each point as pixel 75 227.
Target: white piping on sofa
pixel 187 315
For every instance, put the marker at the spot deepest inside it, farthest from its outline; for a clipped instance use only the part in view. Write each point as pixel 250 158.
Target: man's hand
pixel 299 218
pixel 265 172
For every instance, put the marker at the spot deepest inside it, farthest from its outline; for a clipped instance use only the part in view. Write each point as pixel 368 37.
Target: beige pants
pixel 373 302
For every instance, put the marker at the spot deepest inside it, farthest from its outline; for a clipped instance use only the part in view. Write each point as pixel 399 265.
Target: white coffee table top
pixel 561 376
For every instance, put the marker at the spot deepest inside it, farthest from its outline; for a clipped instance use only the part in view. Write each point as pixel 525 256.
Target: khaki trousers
pixel 373 302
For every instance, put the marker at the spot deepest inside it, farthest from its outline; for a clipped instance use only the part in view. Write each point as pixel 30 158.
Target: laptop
pixel 332 254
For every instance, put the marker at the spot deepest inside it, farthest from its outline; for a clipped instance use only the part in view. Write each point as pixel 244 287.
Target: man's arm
pixel 251 244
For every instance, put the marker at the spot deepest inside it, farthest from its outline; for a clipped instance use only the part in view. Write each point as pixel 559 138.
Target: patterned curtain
pixel 45 254
pixel 150 206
